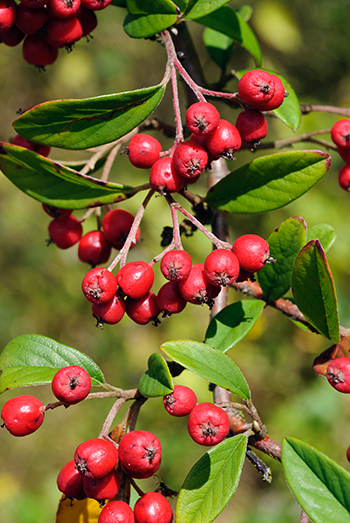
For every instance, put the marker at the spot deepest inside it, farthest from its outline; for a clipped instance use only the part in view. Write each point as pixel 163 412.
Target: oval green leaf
pixel 209 363
pixel 157 380
pixel 285 243
pixel 79 124
pixel 269 182
pixel 57 185
pixel 211 482
pixel 233 323
pixel 219 46
pixel 145 26
pixel 199 8
pixel 320 485
pixel 32 359
pixel 324 233
pixel 314 292
pixel 142 7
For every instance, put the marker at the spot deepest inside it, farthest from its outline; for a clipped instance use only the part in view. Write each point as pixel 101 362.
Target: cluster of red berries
pixel 340 134
pixel 45 26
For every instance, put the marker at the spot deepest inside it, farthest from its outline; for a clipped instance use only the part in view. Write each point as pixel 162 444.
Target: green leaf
pixel 219 46
pixel 285 243
pixel 31 359
pixel 52 183
pixel 211 482
pixel 199 8
pixel 119 3
pixel 144 26
pixel 157 380
pixel 229 22
pixel 320 485
pixel 324 233
pixel 269 182
pixel 141 7
pixel 79 124
pixel 314 291
pixel 209 363
pixel 233 323
pixel 245 11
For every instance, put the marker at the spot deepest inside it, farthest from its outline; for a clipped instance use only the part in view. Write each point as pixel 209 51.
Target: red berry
pixel 70 481
pixel 252 126
pixel 96 457
pixel 202 118
pixel 180 402
pixel 340 133
pixel 221 267
pixel 116 512
pixel 164 178
pixel 348 454
pixel 63 8
pixel 135 279
pixel 208 424
pixel 88 20
pixel 140 453
pixel 7 15
pixel 99 285
pixel 256 87
pixel 116 226
pixel 153 507
pixel 94 248
pixel 12 37
pixel 96 5
pixel 344 177
pixel 64 31
pixel 102 488
pixel 176 265
pixel 37 51
pixel 38 148
pixel 195 288
pixel 29 21
pixel 55 212
pixel 144 310
pixel 277 99
pixel 71 384
pixel 338 374
pixel 190 159
pixel 344 154
pixel 169 299
pixel 252 252
pixel 111 312
pixel 224 141
pixel 144 151
pixel 22 415
pixel 34 4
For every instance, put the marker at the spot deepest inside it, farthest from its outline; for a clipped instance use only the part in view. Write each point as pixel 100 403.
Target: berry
pixel 63 8
pixel 190 159
pixel 164 178
pixel 44 150
pixel 256 87
pixel 344 177
pixel 102 488
pixel 176 265
pixel 29 21
pixel 22 415
pixel 195 288
pixel 71 384
pixel 144 151
pixel 135 279
pixel 348 454
pixel 169 299
pixel 88 20
pixel 202 118
pixel 221 267
pixel 64 31
pixel 252 252
pixel 99 285
pixel 94 248
pixel 116 226
pixel 340 133
pixel 7 15
pixel 111 312
pixel 338 374
pixel 144 310
pixel 65 231
pixel 344 154
pixel 224 141
pixel 180 402
pixel 55 212
pixel 116 512
pixel 252 126
pixel 70 481
pixel 153 507
pixel 34 4
pixel 208 424
pixel 96 5
pixel 96 457
pixel 12 37
pixel 140 453
pixel 37 51
pixel 277 99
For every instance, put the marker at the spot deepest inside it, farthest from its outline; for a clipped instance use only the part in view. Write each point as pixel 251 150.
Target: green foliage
pixel 324 233
pixel 219 46
pixel 157 380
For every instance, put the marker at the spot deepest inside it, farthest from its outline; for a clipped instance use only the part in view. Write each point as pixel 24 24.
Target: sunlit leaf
pixel 157 380
pixel 324 233
pixel 141 7
pixel 199 8
pixel 144 26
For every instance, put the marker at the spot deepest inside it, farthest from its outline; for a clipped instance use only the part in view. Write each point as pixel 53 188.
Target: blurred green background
pixel 40 286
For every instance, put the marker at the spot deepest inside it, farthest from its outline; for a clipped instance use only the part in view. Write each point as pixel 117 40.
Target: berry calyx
pixel 338 374
pixel 143 151
pixel 252 252
pixel 340 133
pixel 116 512
pixel 176 265
pixel 190 159
pixel 111 312
pixel 225 141
pixel 277 99
pixel 70 481
pixel 135 279
pixel 196 289
pixel 180 402
pixel 99 285
pixel 208 424
pixel 22 415
pixel 140 453
pixel 94 248
pixel 96 457
pixel 256 87
pixel 202 118
pixel 71 384
pixel 153 507
pixel 102 488
pixel 144 310
pixel 65 231
pixel 164 178
pixel 344 177
pixel 116 226
pixel 252 126
pixel 221 267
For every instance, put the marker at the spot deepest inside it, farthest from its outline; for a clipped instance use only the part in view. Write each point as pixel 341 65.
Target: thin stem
pixel 176 228
pixel 304 137
pixel 136 487
pixel 110 417
pixel 110 160
pixel 176 104
pixel 260 466
pixel 161 255
pixel 309 108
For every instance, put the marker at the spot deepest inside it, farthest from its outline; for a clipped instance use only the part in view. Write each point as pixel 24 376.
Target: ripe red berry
pixel 64 31
pixel 135 279
pixel 38 148
pixel 169 299
pixel 70 481
pixel 116 226
pixel 37 51
pixel 221 267
pixel 344 177
pixel 96 457
pixel 96 5
pixel 34 4
pixel 7 14
pixel 252 252
pixel 224 141
pixel 116 512
pixel 65 231
pixel 180 402
pixel 164 178
pixel 88 20
pixel 22 415
pixel 153 507
pixel 63 8
pixel 208 424
pixel 348 454
pixel 12 37
pixel 252 126
pixel 94 248
pixel 28 20
pixel 140 453
pixel 99 285
pixel 71 384
pixel 344 154
pixel 176 265
pixel 190 159
pixel 144 310
pixel 340 133
pixel 143 151
pixel 102 488
pixel 195 288
pixel 338 374
pixel 202 118
pixel 256 87
pixel 277 99
pixel 111 312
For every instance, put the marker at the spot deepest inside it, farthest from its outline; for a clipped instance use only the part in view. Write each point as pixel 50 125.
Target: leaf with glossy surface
pixel 219 46
pixel 31 359
pixel 209 363
pixel 139 7
pixel 145 26
pixel 269 182
pixel 320 485
pixel 200 8
pixel 57 185
pixel 314 292
pixel 324 233
pixel 211 482
pixel 285 243
pixel 157 380
pixel 79 124
pixel 232 324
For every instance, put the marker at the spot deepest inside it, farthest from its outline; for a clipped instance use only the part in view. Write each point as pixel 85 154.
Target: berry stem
pixel 309 108
pixel 163 253
pixel 304 137
pixel 176 104
pixel 260 466
pixel 136 487
pixel 110 417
